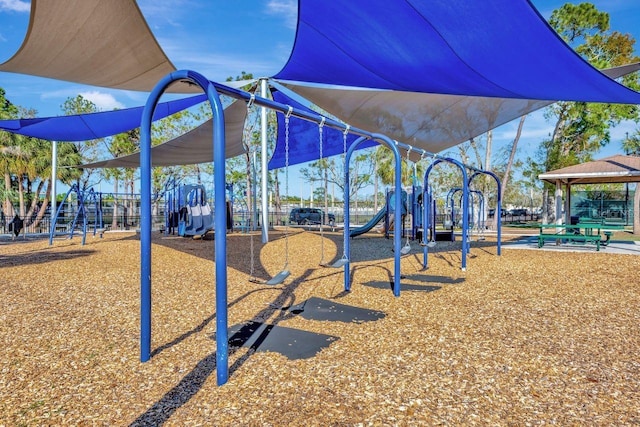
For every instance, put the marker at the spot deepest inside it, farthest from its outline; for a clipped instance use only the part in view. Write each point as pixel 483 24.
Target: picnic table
pixel 570 233
pixel 603 227
pixel 585 231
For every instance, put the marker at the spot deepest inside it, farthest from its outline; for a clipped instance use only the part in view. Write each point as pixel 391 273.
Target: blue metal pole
pixel 498 211
pixel 81 201
pixel 346 242
pixel 465 203
pixel 397 241
pixel 398 209
pixel 425 184
pixel 57 214
pixel 145 217
pixel 465 209
pixel 426 210
pixel 220 219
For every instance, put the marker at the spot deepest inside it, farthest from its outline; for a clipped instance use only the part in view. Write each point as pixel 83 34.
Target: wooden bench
pixel 569 233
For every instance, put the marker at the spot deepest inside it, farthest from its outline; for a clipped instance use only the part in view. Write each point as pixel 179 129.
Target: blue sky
pixel 222 38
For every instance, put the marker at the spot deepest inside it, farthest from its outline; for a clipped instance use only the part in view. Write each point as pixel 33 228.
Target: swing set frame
pixel 213 91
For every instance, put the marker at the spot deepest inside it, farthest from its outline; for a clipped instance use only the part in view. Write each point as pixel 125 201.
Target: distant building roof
pixel 614 169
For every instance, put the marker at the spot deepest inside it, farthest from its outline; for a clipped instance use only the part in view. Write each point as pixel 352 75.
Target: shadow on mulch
pixel 403 286
pixel 434 279
pixel 290 342
pixel 41 257
pixel 259 336
pixel 367 248
pixel 324 310
pixel 295 343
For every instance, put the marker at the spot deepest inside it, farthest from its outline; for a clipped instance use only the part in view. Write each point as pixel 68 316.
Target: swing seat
pixel 279 278
pixel 405 249
pixel 339 263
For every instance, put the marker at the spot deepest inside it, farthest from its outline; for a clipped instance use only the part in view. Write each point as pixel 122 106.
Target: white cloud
pixel 104 101
pixel 288 9
pixel 15 5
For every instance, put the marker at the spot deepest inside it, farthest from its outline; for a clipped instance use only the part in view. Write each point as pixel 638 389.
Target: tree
pixel 509 166
pixel 90 150
pixel 581 129
pixel 122 145
pixel 26 162
pixel 7 146
pixel 331 171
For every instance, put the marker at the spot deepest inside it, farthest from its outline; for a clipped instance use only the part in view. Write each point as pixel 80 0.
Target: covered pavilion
pixel 610 170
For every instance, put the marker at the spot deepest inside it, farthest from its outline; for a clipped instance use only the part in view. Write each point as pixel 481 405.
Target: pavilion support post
pixel 558 205
pixel 567 204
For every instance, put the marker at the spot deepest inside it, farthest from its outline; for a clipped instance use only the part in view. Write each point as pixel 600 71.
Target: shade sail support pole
pixel 54 180
pixel 264 162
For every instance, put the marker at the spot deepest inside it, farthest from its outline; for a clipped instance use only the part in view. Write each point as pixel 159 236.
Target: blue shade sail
pixel 193 147
pixel 304 138
pixel 497 48
pixel 83 127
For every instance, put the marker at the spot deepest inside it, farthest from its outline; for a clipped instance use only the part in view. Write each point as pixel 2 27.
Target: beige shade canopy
pixel 95 42
pixel 195 146
pixel 109 44
pixel 431 121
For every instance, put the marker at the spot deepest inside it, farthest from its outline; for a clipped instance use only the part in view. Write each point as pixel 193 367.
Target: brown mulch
pixel 527 338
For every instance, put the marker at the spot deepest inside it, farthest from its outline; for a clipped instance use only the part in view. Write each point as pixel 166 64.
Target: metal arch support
pixel 498 211
pixel 52 230
pixel 465 206
pixel 222 340
pixel 398 208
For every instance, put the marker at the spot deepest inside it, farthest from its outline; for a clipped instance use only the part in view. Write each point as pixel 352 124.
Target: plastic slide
pixel 369 225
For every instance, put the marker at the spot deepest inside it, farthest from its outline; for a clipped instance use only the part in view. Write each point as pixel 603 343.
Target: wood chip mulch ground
pixel 527 338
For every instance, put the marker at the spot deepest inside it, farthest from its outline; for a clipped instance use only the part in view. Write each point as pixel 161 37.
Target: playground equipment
pixel 284 273
pixel 171 206
pixel 84 200
pixel 195 217
pixel 344 260
pixel 465 202
pixel 391 218
pixel 428 219
pixel 498 209
pixel 397 208
pixel 218 144
pixel 479 214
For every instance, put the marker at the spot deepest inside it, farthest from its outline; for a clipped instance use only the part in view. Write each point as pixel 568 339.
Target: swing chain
pixel 251 245
pixel 320 132
pixel 286 187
